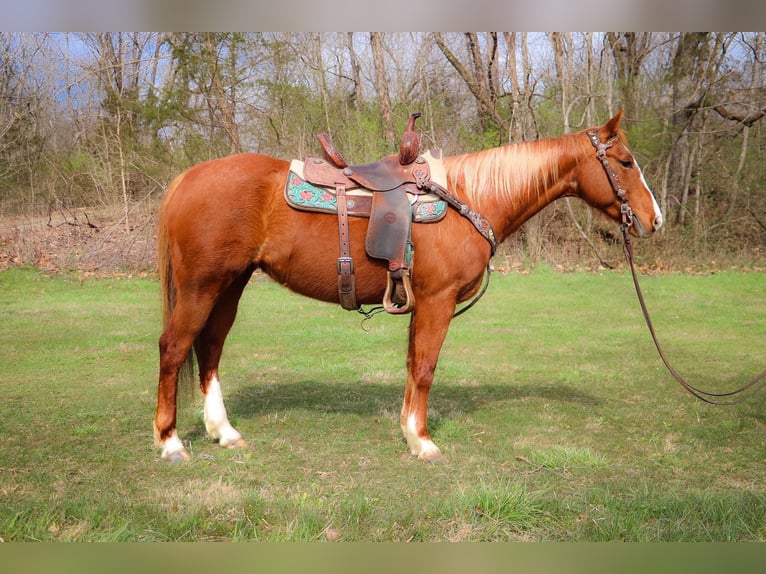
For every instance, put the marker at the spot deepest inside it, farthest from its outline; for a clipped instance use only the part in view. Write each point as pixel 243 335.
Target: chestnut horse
pixel 223 219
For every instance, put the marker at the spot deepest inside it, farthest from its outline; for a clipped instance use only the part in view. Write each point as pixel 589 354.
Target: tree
pixel 381 87
pixel 480 76
pixel 211 70
pixel 743 108
pixel 696 63
pixel 629 51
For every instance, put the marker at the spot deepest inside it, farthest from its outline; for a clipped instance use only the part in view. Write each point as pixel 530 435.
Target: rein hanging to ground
pixel 705 396
pixel 626 217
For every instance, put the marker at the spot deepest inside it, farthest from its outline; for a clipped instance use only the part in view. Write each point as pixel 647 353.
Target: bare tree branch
pixel 747 119
pixel 481 95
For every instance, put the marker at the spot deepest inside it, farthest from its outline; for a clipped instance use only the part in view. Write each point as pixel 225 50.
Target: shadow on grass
pixel 370 399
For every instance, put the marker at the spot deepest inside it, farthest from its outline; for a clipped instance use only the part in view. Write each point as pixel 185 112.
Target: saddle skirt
pixel 303 195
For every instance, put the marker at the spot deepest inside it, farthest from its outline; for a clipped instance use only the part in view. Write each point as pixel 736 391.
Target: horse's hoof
pixel 176 456
pixel 238 443
pixel 432 457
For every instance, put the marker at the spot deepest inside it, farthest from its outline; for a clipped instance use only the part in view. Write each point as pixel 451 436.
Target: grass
pixel 556 416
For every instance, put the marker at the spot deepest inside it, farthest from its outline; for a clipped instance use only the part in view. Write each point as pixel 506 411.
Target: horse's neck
pixel 510 184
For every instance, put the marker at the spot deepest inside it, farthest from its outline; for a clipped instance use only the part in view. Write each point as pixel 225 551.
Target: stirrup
pixel 409 298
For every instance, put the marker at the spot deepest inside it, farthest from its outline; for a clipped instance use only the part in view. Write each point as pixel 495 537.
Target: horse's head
pixel 613 182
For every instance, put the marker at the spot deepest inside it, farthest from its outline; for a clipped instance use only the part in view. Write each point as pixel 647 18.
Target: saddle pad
pixel 304 196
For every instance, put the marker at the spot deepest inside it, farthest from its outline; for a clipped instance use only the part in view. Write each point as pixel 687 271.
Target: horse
pixel 223 219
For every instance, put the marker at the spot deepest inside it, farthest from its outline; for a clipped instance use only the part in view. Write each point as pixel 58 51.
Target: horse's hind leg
pixel 187 320
pixel 208 347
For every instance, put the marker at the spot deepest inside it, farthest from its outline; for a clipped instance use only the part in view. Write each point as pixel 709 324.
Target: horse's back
pixel 234 179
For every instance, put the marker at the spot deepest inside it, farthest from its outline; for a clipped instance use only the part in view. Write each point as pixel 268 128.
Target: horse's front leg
pixel 428 328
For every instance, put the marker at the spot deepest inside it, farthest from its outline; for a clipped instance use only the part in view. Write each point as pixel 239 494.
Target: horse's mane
pixel 504 173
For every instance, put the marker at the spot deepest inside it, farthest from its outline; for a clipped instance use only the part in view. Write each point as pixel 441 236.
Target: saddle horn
pixel 408 152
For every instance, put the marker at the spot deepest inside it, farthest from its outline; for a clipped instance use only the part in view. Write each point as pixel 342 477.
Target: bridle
pixel 626 214
pixel 626 220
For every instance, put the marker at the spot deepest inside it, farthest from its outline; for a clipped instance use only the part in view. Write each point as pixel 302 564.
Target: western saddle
pixel 394 181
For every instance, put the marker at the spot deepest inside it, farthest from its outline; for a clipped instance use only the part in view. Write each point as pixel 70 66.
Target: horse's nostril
pixel 658 222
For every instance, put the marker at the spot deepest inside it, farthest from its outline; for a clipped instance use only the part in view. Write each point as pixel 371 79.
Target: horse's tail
pixel 167 282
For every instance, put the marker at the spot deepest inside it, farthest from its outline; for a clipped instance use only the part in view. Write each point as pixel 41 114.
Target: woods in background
pixel 109 118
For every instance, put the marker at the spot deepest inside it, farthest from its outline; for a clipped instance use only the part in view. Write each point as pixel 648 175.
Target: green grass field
pixel 557 418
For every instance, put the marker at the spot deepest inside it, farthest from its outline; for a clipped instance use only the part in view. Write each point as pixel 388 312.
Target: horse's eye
pixel 627 163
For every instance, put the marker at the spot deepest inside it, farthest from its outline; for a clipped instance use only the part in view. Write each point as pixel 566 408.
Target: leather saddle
pixel 392 181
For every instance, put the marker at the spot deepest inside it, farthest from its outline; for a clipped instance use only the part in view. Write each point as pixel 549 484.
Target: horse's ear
pixel 612 127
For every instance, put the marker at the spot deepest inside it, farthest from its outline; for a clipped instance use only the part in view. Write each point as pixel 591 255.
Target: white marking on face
pixel 216 419
pixel 657 213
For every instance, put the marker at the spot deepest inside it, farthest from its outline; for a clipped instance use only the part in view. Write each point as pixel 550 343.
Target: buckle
pixel 626 215
pixel 345 265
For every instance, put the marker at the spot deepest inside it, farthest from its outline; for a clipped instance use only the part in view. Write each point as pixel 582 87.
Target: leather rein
pixel 626 220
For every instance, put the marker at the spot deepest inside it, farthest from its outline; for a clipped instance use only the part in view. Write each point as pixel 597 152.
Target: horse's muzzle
pixel 641 231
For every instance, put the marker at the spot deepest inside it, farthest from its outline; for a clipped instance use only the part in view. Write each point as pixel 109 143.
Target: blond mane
pixel 512 172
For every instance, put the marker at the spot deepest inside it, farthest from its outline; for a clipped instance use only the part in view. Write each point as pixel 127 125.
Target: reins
pixel 482 225
pixel 626 220
pixel 706 396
